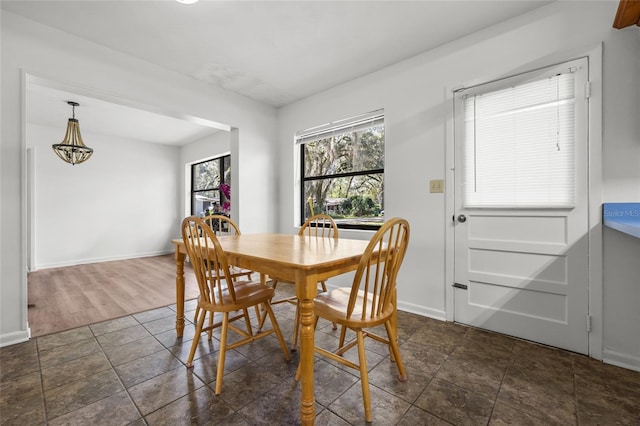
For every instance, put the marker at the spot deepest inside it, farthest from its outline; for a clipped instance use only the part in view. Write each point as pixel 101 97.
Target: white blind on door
pixel 519 145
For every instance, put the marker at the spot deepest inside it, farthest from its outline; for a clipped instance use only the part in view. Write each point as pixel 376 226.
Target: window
pixel 342 166
pixel 209 181
pixel 519 141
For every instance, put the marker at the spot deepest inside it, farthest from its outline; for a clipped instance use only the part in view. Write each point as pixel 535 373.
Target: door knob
pixel 462 218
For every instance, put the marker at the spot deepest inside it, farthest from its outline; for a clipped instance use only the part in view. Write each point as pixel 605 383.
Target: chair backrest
pixel 208 261
pixel 222 225
pixel 378 269
pixel 319 225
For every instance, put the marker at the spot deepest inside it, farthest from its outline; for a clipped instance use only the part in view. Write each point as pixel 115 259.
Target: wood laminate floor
pixel 68 297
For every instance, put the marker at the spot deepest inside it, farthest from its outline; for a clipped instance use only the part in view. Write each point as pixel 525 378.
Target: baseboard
pixel 101 259
pixel 422 310
pixel 627 361
pixel 14 337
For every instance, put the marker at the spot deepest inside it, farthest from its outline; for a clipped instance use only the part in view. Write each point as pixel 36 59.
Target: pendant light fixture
pixel 72 149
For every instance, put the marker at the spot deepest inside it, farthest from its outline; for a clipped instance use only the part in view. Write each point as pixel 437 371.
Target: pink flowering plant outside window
pixel 225 191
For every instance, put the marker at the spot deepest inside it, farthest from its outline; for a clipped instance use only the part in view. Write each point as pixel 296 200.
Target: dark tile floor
pixel 131 371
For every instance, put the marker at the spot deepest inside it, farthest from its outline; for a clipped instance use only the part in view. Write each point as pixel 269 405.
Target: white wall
pixel 122 203
pixel 209 147
pixel 27 47
pixel 415 94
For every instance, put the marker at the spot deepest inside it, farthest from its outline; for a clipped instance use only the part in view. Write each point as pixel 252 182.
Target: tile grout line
pixel 575 390
pixel 116 373
pixel 504 375
pixel 44 399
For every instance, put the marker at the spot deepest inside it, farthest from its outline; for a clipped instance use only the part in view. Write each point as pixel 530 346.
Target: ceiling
pixel 48 106
pixel 275 52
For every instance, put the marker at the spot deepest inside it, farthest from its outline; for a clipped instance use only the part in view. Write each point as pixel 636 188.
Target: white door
pixel 521 206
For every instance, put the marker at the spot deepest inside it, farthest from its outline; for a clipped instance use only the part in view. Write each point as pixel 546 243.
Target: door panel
pixel 526 269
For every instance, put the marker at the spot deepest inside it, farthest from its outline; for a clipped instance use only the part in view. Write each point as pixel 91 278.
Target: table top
pixel 301 252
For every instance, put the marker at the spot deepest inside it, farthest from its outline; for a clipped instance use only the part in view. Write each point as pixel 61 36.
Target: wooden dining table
pixel 303 260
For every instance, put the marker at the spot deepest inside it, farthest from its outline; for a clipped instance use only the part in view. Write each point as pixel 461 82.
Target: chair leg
pixel 222 353
pixel 274 283
pixel 210 332
pixel 247 322
pixel 196 339
pixel 324 289
pixel 259 318
pixel 395 351
pixel 276 328
pixel 257 308
pixel 263 316
pixel 364 377
pixel 343 336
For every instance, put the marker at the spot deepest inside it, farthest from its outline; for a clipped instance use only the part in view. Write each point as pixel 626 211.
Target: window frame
pixel 314 134
pixel 222 160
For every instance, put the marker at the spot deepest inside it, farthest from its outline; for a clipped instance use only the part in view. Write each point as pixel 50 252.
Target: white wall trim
pixel 24 246
pixel 9 339
pixel 449 197
pixel 31 207
pixel 104 259
pixel 422 310
pixel 621 360
pixel 596 285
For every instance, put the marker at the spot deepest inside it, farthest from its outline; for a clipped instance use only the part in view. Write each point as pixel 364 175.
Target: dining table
pixel 303 260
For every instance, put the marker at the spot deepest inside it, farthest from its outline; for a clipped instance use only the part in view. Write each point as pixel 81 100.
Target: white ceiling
pixel 48 107
pixel 276 52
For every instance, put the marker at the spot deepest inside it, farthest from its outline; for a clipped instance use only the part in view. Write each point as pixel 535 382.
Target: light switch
pixel 436 185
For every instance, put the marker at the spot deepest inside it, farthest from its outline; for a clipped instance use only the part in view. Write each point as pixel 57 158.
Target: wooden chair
pixel 223 225
pixel 370 302
pixel 211 269
pixel 319 226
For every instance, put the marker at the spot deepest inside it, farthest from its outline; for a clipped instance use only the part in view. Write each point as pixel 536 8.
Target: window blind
pixel 348 125
pixel 519 145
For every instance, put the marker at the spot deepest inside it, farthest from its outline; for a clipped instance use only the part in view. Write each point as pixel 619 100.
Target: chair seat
pixel 333 307
pixel 247 294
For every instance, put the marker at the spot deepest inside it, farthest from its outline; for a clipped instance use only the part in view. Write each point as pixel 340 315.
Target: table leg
pixel 306 289
pixel 180 258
